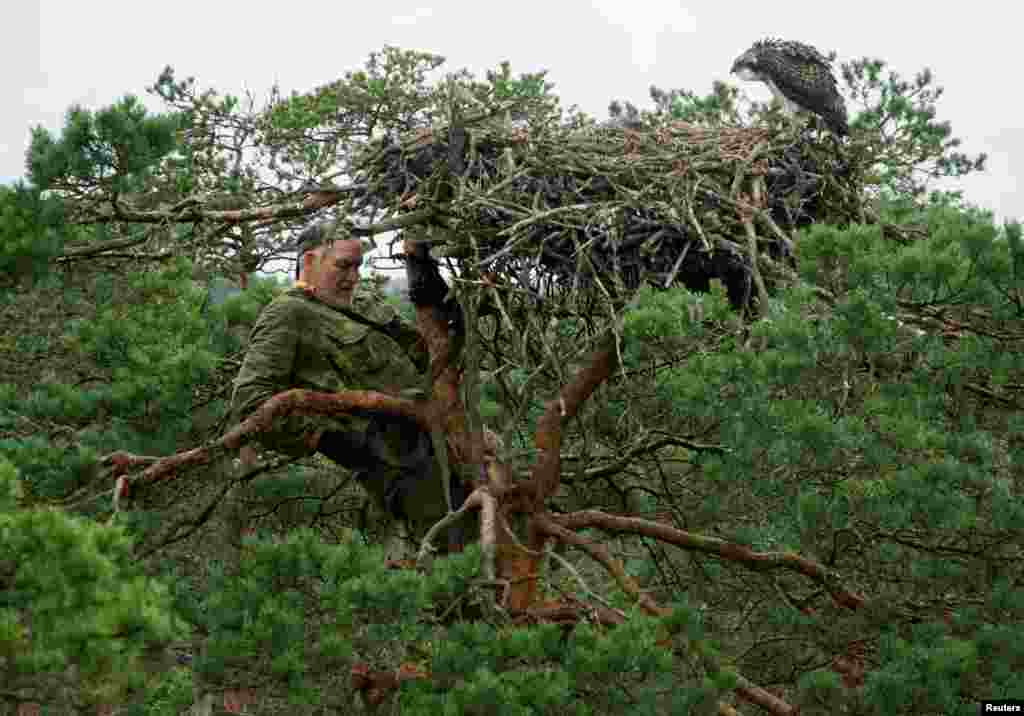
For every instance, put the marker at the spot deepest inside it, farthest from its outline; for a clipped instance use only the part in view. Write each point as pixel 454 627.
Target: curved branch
pixel 745 688
pixel 550 525
pixel 546 473
pixel 759 561
pixel 81 252
pixel 479 499
pixel 614 468
pixel 291 402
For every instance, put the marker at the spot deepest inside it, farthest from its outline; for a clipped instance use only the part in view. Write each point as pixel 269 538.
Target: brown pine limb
pixel 454 441
pixel 505 559
pixel 445 376
pixel 567 614
pixel 758 561
pixel 291 402
pixel 479 499
pixel 548 524
pixel 514 562
pixel 546 473
pixel 121 462
pixel 310 403
pixel 376 686
pixel 744 688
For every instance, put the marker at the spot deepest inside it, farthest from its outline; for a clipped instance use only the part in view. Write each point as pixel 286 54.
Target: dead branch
pixel 479 499
pixel 615 568
pixel 597 206
pixel 759 561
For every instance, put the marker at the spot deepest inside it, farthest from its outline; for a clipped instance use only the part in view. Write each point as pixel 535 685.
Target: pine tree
pixel 813 504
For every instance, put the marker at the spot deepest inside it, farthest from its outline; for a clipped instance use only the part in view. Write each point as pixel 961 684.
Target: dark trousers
pixel 396 464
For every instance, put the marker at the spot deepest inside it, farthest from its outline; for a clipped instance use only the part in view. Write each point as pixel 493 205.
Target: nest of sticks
pixel 570 207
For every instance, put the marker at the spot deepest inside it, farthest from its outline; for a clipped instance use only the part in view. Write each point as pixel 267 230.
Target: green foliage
pixel 240 309
pixel 32 232
pixel 724 105
pixel 904 141
pixel 925 673
pixel 667 319
pixel 850 411
pixel 49 473
pixel 152 359
pixel 391 83
pixel 821 692
pixel 299 606
pixel 721 106
pixel 868 421
pixel 71 598
pixel 10 487
pixel 505 86
pixel 612 671
pixel 148 347
pixel 112 148
pixel 169 695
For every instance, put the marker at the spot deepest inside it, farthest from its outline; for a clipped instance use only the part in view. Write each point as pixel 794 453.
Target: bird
pixel 799 76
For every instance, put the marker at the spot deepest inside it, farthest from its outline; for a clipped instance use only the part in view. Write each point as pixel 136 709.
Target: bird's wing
pixel 802 81
pixel 808 83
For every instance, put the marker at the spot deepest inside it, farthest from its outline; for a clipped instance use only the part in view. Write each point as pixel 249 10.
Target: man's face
pixel 339 270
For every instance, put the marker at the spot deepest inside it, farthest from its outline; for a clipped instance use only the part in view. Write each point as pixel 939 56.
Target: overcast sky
pixel 62 52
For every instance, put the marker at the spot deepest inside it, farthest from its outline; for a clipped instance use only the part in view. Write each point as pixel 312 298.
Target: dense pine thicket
pixel 812 502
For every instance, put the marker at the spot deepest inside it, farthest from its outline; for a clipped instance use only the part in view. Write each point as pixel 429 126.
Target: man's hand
pixel 313 440
pixel 247 456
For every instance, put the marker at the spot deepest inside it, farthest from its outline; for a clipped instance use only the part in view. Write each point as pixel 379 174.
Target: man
pixel 298 342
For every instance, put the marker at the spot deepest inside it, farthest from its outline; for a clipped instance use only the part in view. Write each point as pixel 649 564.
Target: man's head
pixel 328 264
pixel 333 269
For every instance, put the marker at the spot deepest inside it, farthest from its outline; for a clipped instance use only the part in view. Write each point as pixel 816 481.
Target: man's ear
pixel 310 267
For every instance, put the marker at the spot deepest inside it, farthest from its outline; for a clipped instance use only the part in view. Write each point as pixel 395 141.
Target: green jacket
pixel 298 342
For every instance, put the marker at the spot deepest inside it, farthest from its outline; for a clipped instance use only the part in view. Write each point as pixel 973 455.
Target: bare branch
pixel 759 561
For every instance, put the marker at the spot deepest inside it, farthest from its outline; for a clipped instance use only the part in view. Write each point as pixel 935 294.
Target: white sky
pixel 61 52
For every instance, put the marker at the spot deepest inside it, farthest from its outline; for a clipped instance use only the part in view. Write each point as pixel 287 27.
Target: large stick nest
pixel 574 206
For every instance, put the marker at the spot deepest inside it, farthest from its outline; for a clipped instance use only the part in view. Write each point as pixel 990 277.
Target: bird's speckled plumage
pixel 799 76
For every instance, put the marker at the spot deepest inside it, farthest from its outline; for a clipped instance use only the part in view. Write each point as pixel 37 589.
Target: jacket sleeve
pixel 267 370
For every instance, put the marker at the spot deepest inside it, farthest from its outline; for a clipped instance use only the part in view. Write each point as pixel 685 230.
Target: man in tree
pixel 299 342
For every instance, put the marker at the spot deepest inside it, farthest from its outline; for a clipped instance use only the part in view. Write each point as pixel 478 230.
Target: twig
pixel 475 501
pixel 675 267
pixel 752 250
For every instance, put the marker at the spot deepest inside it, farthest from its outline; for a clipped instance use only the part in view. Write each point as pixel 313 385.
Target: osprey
pixel 799 76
